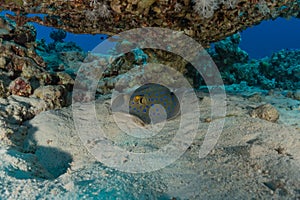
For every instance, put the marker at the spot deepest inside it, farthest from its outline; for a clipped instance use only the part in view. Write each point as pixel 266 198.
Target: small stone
pixel 271 92
pixel 289 94
pixel 266 112
pixel 296 95
pixel 272 185
pixel 207 120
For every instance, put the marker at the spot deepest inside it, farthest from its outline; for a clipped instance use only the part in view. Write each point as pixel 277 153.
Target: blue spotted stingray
pixel 153 103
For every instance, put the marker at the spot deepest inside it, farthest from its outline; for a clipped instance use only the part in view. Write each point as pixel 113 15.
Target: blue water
pixel 86 41
pixel 258 41
pixel 271 36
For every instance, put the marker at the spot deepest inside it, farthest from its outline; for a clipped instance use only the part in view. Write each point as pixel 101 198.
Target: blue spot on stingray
pixel 132 103
pixel 152 105
pixel 134 108
pixel 147 106
pixel 129 107
pixel 144 110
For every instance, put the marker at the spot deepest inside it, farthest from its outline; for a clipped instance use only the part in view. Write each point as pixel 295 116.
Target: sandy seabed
pixel 253 158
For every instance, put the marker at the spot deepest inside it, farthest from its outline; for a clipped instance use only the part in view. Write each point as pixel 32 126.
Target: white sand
pixel 253 158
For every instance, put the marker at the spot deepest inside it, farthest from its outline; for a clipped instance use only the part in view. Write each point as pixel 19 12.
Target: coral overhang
pixel 114 16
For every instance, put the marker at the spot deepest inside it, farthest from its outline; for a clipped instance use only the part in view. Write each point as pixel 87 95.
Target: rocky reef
pixel 27 86
pixel 24 71
pixel 280 70
pixel 60 56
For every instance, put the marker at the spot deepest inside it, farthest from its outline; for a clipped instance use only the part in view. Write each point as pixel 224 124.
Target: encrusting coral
pixel 205 20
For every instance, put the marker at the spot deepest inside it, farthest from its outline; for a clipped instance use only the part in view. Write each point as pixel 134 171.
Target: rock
pixel 266 112
pixel 44 78
pixel 2 62
pixel 5 27
pixel 21 87
pixel 65 79
pixel 3 90
pixel 54 95
pixel 14 110
pixel 30 71
pixel 24 34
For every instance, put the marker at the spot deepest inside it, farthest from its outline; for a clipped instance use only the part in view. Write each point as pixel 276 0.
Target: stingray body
pixel 153 103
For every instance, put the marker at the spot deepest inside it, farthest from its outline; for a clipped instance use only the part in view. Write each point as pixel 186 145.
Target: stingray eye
pixel 137 98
